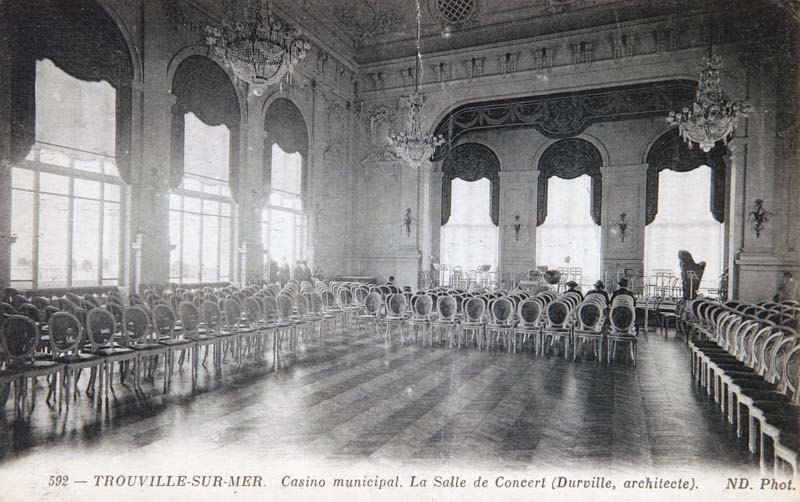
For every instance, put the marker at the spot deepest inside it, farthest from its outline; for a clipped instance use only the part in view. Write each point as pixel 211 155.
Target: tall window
pixel 67 196
pixel 284 226
pixel 569 238
pixel 469 239
pixel 684 222
pixel 200 225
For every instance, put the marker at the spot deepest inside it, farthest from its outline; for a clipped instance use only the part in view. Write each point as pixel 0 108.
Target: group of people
pixel 599 287
pixel 281 273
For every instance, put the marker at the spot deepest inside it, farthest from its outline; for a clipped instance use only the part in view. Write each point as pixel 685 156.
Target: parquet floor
pixel 354 397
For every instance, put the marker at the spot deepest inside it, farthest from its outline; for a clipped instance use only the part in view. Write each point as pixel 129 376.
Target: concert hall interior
pixel 549 233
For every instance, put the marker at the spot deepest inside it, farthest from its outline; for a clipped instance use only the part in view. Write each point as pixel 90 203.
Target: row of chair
pixel 176 325
pixel 747 357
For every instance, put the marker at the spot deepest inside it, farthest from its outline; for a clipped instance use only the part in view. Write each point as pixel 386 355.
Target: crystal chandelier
pixel 261 49
pixel 711 118
pixel 414 144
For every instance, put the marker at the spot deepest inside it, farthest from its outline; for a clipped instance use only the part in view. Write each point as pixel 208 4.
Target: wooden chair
pixel 20 337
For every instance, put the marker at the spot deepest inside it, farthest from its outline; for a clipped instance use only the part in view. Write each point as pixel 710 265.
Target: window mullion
pixel 102 228
pixel 35 253
pixel 70 223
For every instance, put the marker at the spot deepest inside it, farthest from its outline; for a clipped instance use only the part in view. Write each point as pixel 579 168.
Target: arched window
pixel 67 196
pixel 684 222
pixel 569 239
pixel 284 219
pixel 70 143
pixel 284 225
pixel 470 207
pixel 201 229
pixel 469 239
pixel 685 207
pixel 205 145
pixel 568 210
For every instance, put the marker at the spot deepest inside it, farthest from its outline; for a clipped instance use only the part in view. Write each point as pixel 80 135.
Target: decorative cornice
pixel 566 114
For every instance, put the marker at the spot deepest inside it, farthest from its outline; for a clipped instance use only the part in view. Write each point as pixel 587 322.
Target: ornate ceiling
pixel 370 31
pixel 385 29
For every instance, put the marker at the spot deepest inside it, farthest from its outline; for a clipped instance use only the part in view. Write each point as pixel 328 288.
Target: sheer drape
pixel 469 239
pixel 569 236
pixel 684 222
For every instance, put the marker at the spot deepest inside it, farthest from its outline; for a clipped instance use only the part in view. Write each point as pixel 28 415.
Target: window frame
pixel 37 167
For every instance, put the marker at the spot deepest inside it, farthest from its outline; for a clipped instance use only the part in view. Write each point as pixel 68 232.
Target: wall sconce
pixel 517 227
pixel 620 227
pixel 759 216
pixel 408 220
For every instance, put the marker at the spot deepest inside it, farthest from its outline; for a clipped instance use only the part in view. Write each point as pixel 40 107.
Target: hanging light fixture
pixel 414 144
pixel 261 49
pixel 712 118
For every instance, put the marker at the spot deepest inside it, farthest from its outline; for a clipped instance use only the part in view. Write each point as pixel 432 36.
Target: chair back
pixel 211 316
pixel 65 333
pixel 345 298
pixel 233 313
pixel 100 326
pixel 360 295
pixel 7 309
pixel 557 314
pixel 529 312
pixel 395 305
pixel 447 307
pixel 590 317
pixel 270 307
pixel 164 321
pixel 136 325
pixel 285 307
pixel 252 310
pixel 190 317
pixel 30 310
pixel 422 306
pixel 502 310
pixel 19 337
pixel 372 303
pixel 314 301
pixel 622 318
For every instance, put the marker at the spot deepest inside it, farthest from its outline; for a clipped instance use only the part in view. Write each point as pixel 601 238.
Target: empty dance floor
pixel 350 398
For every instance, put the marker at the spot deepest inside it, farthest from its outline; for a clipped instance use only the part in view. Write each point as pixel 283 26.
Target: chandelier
pixel 414 144
pixel 261 49
pixel 711 118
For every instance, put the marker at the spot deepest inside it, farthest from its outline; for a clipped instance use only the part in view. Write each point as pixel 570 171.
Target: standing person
pixel 305 272
pixel 273 270
pixel 297 272
pixel 283 272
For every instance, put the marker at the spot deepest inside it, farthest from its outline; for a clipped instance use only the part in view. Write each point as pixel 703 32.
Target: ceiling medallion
pixel 261 48
pixel 454 14
pixel 712 118
pixel 413 145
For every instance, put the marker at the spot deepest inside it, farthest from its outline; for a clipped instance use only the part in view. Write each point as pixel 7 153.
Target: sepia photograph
pixel 399 250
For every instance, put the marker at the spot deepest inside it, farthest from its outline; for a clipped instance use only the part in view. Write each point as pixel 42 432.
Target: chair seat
pixel 147 346
pixel 174 342
pixel 763 396
pixel 110 352
pixel 499 326
pixel 76 358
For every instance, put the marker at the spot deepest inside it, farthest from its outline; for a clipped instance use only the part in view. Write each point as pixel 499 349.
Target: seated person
pixel 572 287
pixel 600 288
pixel 390 282
pixel 623 290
